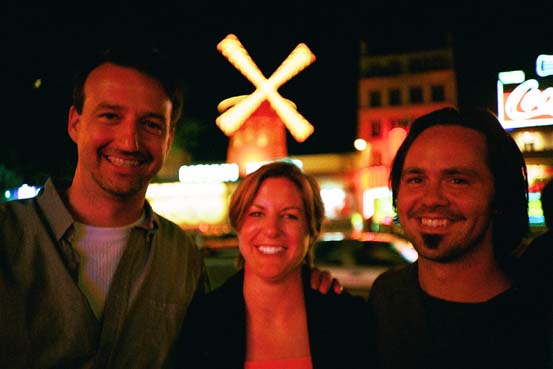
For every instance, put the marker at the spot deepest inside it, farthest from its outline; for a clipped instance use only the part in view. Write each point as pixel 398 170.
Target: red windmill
pixel 255 123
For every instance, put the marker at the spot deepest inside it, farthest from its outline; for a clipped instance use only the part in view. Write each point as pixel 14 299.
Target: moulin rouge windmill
pixel 256 123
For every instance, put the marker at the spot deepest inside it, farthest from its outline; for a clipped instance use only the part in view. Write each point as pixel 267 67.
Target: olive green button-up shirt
pixel 45 319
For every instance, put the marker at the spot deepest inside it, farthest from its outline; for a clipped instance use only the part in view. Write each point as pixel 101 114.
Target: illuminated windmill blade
pixel 233 118
pixel 234 51
pixel 236 54
pixel 298 126
pixel 299 59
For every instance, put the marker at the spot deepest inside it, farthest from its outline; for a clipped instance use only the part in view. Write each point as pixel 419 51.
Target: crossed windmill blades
pixel 266 89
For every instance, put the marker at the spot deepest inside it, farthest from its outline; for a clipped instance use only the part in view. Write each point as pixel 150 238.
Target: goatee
pixel 432 241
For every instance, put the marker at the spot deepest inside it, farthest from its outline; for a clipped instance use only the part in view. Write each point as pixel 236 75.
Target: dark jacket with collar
pixel 214 333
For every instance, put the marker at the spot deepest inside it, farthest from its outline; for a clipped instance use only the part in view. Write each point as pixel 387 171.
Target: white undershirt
pixel 100 249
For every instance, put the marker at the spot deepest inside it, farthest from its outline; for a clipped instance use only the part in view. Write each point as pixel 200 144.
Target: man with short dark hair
pixel 90 275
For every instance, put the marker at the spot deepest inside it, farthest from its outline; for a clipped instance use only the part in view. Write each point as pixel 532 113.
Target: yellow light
pixel 189 204
pixel 360 144
pixel 209 173
pixel 266 89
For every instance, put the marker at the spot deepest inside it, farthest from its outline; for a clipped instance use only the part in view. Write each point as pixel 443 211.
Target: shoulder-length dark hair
pixel 506 163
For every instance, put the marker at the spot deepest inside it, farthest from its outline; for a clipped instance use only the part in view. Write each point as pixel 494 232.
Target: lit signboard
pixel 523 102
pixel 208 173
pixel 190 204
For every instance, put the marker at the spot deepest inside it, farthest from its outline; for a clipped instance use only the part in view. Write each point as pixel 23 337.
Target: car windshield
pixel 353 252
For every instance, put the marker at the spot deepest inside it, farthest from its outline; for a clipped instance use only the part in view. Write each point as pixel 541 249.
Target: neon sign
pixel 525 105
pixel 544 65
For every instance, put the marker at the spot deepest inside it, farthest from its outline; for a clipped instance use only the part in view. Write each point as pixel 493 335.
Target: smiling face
pixel 274 237
pixel 123 132
pixel 445 193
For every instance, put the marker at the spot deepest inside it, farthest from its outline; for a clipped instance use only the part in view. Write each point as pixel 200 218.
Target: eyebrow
pixel 461 170
pixel 105 105
pixel 447 171
pixel 293 207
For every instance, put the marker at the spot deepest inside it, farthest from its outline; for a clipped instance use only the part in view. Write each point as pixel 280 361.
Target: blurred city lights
pixel 23 192
pixel 360 144
pixel 253 166
pixel 544 65
pixel 208 173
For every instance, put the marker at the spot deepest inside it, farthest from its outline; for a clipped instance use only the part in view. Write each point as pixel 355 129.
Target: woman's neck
pixel 273 297
pixel 273 310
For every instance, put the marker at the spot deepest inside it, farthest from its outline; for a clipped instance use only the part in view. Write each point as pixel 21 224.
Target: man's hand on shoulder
pixel 322 281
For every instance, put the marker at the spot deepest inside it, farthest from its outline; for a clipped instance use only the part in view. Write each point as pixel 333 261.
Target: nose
pixel 435 195
pixel 271 226
pixel 129 135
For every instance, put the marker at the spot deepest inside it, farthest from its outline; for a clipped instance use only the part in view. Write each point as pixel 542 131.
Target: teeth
pixel 270 249
pixel 123 162
pixel 434 222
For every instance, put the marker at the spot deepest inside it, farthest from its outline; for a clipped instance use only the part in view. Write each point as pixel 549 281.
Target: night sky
pixel 48 41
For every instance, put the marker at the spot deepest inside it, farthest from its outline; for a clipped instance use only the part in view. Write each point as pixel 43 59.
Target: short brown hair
pixel 149 61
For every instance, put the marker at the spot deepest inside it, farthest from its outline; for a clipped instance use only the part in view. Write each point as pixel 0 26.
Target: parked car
pixel 356 259
pixel 220 254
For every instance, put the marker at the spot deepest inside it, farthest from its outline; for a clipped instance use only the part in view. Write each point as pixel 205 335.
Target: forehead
pixel 110 79
pixel 278 189
pixel 445 146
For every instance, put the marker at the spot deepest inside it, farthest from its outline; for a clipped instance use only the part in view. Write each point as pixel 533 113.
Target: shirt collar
pixel 60 219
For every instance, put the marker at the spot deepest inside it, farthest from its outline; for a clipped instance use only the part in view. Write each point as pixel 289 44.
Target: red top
pixel 293 363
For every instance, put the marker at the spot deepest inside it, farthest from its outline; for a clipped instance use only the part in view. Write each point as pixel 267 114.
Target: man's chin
pixel 432 241
pixel 124 190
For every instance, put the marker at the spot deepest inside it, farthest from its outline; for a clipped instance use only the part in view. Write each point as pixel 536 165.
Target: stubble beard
pixel 130 189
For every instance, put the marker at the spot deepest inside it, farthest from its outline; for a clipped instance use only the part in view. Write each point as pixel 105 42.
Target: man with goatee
pixel 460 191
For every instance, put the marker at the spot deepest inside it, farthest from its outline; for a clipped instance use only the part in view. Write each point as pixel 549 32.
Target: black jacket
pixel 214 333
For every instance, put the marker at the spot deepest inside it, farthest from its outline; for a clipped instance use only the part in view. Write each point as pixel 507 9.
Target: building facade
pixel 395 89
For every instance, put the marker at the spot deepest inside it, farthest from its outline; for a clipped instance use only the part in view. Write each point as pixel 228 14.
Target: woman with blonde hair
pixel 267 316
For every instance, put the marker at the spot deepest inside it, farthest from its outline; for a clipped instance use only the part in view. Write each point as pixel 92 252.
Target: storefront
pixel 525 109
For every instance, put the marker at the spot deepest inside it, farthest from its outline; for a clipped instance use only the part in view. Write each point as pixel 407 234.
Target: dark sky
pixel 48 41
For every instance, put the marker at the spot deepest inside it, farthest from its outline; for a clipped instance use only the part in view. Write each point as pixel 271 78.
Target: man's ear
pixel 73 123
pixel 170 140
